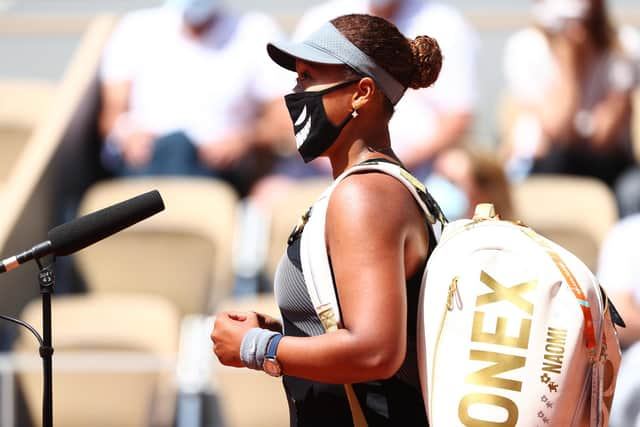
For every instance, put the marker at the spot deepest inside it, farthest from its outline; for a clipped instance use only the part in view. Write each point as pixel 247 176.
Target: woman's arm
pixel 115 103
pixel 116 126
pixel 366 235
pixel 369 232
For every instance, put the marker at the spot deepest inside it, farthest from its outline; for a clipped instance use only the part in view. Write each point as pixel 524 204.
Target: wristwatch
pixel 270 364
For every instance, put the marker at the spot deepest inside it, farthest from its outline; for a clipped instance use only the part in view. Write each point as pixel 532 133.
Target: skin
pixel 377 240
pixel 135 143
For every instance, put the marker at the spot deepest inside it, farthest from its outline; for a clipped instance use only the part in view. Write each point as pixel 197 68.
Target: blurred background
pixel 537 111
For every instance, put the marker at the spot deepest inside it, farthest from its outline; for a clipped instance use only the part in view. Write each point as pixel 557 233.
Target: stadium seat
pixel 286 215
pixel 114 360
pixel 182 253
pixel 575 212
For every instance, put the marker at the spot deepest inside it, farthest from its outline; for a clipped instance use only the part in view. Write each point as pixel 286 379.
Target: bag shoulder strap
pixel 428 204
pixel 313 251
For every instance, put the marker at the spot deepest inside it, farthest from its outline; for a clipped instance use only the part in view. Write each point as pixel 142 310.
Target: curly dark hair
pixel 415 63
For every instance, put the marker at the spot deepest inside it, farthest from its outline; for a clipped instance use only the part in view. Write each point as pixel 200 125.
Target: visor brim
pixel 285 54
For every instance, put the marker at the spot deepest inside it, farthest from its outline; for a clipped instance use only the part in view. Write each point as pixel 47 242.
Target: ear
pixel 365 91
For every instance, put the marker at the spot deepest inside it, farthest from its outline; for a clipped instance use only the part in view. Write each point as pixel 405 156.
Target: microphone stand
pixel 46 279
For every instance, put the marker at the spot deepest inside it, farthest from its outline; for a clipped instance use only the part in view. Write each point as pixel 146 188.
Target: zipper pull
pixel 297 230
pixel 454 292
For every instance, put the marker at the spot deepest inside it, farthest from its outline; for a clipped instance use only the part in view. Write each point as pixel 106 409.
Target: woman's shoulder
pixel 371 195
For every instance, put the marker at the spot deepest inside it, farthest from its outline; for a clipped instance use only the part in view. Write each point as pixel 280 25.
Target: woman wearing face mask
pixel 351 73
pixel 425 122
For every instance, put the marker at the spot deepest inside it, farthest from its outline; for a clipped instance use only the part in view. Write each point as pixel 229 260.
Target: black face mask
pixel 314 132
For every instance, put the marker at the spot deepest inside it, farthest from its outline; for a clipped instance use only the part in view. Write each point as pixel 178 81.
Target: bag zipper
pixel 453 294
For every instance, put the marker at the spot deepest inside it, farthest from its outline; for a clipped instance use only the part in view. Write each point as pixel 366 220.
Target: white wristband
pixel 254 347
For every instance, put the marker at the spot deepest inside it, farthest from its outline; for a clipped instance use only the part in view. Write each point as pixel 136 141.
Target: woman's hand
pixel 269 322
pixel 228 330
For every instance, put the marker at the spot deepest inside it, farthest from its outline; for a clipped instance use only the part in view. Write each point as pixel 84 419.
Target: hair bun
pixel 427 61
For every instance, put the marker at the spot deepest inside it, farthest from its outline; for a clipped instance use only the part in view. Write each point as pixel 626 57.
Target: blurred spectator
pixel 188 89
pixel 619 273
pixel 464 176
pixel 571 76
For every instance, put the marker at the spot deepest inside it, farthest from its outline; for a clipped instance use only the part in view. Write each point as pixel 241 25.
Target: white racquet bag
pixel 514 331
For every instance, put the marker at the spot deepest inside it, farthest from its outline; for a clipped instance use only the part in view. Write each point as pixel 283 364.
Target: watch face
pixel 272 367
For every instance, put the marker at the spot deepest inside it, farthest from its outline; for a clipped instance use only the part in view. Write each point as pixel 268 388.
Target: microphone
pixel 81 232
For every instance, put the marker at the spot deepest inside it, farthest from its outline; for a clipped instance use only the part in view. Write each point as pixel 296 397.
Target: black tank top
pixel 396 401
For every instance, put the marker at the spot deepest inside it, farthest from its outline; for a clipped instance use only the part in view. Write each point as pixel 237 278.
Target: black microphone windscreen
pixel 88 229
